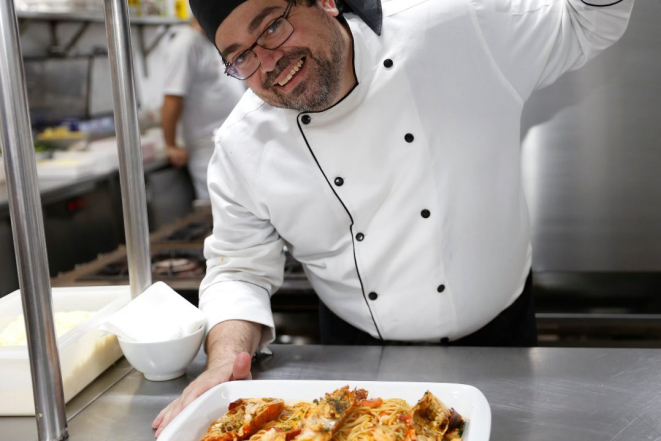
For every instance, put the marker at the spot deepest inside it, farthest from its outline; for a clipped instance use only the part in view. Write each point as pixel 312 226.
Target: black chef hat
pixel 211 13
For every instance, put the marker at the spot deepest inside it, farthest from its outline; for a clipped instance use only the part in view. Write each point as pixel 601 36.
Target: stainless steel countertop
pixel 58 189
pixel 535 394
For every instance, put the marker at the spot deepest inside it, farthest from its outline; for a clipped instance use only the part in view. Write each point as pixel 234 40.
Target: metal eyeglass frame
pixel 230 65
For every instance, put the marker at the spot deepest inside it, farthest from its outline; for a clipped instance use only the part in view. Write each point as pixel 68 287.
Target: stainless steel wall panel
pixel 592 158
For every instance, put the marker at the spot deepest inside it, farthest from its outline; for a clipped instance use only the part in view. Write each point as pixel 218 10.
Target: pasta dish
pixel 342 415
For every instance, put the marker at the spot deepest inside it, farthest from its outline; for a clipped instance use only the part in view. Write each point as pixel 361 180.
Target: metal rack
pixel 25 201
pixel 93 17
pixel 85 19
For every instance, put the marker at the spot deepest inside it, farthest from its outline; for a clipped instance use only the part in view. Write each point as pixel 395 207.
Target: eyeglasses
pixel 246 63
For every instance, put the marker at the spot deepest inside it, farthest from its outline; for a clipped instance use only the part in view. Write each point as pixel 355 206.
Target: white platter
pixel 193 422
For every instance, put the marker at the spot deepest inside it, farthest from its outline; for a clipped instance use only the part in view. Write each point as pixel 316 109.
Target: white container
pixel 65 168
pixel 163 360
pixel 84 352
pixel 192 423
pixel 102 161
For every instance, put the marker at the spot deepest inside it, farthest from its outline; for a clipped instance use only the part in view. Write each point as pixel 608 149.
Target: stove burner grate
pixel 196 231
pixel 166 264
pixel 177 266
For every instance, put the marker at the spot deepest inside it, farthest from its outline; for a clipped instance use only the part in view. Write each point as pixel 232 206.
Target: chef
pixel 382 148
pixel 197 95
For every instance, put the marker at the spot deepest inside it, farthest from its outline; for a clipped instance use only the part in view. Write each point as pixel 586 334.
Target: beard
pixel 321 87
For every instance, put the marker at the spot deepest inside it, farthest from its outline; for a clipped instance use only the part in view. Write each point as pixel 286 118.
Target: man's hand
pixel 239 369
pixel 229 345
pixel 177 156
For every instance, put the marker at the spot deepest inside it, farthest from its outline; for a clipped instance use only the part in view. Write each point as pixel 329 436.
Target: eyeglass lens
pixel 246 63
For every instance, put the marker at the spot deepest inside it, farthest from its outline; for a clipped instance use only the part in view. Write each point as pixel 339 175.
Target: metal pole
pixel 28 231
pixel 131 173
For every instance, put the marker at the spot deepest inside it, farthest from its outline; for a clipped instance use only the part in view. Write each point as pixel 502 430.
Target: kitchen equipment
pixel 102 161
pixel 193 422
pixel 52 98
pixel 84 352
pixel 163 360
pixel 65 168
pixel 59 6
pixel 294 305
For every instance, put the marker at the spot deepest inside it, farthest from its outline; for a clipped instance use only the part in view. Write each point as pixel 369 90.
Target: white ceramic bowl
pixel 164 360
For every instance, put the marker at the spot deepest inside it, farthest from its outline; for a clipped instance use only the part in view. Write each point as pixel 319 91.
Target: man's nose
pixel 269 58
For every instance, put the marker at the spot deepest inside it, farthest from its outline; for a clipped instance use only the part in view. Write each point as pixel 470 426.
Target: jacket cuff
pixel 236 300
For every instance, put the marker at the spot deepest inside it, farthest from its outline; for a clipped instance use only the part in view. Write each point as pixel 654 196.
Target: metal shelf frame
pixel 85 20
pixel 25 201
pixel 93 17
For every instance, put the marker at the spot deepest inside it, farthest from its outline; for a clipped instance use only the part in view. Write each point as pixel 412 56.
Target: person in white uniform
pixel 198 95
pixel 382 148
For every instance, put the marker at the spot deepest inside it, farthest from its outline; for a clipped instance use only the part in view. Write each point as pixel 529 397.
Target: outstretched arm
pixel 534 42
pixel 230 345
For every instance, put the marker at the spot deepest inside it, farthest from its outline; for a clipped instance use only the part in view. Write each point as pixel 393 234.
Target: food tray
pixel 84 352
pixel 64 168
pixel 192 423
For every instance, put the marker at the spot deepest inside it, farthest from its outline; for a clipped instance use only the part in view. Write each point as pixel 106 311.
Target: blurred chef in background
pixel 199 95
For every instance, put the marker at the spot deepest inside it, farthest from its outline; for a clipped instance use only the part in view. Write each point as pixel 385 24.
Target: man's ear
pixel 329 6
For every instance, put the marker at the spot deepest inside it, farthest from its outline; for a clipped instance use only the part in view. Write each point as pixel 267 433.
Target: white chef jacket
pixel 195 71
pixel 345 188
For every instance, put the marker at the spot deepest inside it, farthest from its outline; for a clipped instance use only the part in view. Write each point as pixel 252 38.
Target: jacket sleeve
pixel 245 254
pixel 533 42
pixel 180 64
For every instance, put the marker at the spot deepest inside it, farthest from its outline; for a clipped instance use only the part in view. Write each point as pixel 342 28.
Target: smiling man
pixel 310 74
pixel 326 67
pixel 382 148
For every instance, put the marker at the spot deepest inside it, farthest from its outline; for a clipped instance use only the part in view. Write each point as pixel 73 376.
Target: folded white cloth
pixel 158 314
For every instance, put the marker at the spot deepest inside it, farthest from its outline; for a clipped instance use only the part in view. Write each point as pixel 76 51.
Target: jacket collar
pixel 364 41
pixel 368 10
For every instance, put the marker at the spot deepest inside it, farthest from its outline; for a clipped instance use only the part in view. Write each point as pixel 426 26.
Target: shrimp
pixel 244 417
pixel 432 419
pixel 326 415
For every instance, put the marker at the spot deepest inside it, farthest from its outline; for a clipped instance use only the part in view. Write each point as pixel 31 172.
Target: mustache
pixel 285 63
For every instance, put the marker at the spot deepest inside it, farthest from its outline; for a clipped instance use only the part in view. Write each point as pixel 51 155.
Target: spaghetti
pixel 349 416
pixel 378 420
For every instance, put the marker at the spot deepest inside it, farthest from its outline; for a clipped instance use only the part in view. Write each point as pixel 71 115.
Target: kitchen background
pixel 591 146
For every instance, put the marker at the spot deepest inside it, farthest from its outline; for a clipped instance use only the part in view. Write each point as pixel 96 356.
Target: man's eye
pixel 273 28
pixel 239 60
